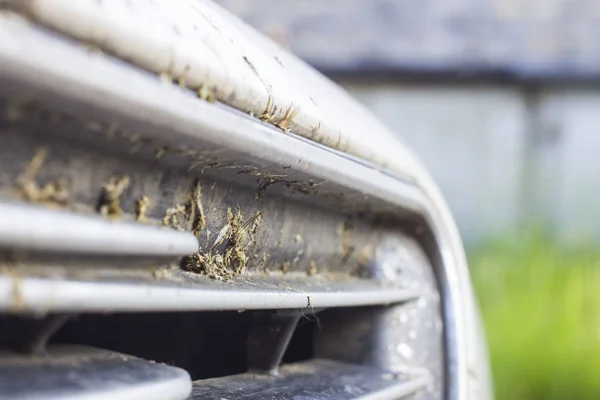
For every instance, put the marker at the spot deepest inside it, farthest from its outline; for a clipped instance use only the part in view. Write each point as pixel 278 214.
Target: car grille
pixel 155 245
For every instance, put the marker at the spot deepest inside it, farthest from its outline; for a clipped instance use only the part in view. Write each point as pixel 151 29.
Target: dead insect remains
pixel 111 197
pixel 52 192
pixel 227 255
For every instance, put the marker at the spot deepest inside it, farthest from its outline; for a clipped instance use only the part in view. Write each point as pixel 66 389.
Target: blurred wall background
pixel 498 97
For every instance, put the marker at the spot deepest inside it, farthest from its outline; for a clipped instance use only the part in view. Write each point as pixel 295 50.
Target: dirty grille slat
pixel 77 372
pixel 22 294
pixel 317 379
pixel 102 87
pixel 26 227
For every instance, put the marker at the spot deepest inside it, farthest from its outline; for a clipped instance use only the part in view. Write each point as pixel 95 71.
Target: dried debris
pixel 266 179
pixel 141 206
pixel 269 112
pixel 234 255
pixel 312 268
pixel 223 234
pixel 227 255
pixel 111 197
pixel 364 261
pixel 56 192
pixel 209 264
pixel 179 216
pixel 52 192
pixel 172 215
pixel 265 182
pixel 268 115
pixel 197 210
pixel 254 225
pixel 290 113
pixel 206 94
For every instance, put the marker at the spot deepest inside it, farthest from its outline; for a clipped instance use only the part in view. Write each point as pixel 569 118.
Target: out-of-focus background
pixel 501 100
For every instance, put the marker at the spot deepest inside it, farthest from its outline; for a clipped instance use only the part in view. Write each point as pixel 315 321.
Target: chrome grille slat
pixel 78 372
pixel 100 88
pixel 316 379
pixel 27 227
pixel 59 294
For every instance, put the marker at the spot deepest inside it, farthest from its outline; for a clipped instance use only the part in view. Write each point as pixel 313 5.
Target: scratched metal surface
pixel 201 47
pixel 507 38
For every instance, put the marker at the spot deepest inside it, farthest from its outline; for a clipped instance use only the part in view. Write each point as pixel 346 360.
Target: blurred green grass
pixel 541 309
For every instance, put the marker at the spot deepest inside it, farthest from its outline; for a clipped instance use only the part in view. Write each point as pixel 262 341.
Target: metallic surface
pixel 98 87
pixel 57 294
pixel 25 227
pixel 198 44
pixel 126 97
pixel 398 337
pixel 269 339
pixel 76 372
pixel 315 380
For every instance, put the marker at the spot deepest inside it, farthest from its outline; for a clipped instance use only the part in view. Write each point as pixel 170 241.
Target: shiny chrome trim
pixel 86 373
pixel 201 45
pixel 34 228
pixel 315 379
pixel 42 295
